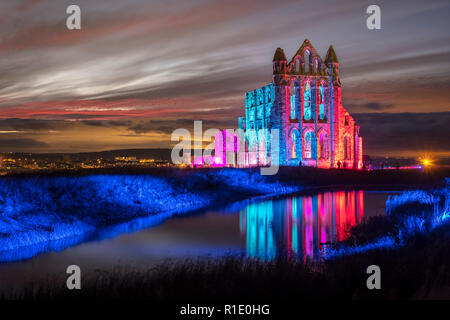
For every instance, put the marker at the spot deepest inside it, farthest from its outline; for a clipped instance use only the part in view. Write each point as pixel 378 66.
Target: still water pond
pixel 294 226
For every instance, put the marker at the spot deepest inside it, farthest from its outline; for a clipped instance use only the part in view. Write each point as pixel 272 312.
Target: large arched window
pixel 346 148
pixel 321 103
pixel 323 146
pixel 293 145
pixel 307 102
pixel 308 138
pixel 293 107
pixel 307 61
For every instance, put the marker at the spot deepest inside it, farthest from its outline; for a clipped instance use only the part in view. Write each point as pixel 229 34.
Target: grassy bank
pixel 306 175
pixel 41 208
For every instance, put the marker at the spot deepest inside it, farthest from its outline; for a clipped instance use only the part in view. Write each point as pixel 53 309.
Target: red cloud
pixel 115 109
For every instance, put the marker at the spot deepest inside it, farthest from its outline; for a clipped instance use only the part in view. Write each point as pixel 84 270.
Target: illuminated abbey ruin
pixel 303 103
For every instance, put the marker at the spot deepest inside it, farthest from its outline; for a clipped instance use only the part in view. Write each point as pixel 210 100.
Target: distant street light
pixel 426 162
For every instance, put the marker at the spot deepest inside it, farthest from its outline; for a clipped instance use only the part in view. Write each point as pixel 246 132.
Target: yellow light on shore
pixel 426 162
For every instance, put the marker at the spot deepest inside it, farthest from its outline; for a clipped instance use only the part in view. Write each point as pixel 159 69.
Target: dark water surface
pixel 295 225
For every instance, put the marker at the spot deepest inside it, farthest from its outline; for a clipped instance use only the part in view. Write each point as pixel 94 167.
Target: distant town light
pixel 426 162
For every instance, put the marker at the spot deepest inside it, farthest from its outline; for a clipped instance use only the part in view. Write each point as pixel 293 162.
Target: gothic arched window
pixel 293 113
pixel 307 102
pixel 323 146
pixel 308 138
pixel 307 61
pixel 294 145
pixel 346 148
pixel 321 103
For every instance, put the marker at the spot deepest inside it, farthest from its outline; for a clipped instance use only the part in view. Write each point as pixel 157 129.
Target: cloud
pixel 168 126
pixel 26 5
pixel 404 133
pixel 122 109
pixel 377 106
pixel 28 125
pixel 160 49
pixel 384 134
pixel 22 145
pixel 108 123
pixel 358 106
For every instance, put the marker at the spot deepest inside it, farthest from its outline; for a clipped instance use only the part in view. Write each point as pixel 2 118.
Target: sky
pixel 138 69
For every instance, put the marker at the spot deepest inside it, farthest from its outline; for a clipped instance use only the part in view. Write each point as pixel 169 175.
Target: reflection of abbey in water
pixel 299 225
pixel 303 102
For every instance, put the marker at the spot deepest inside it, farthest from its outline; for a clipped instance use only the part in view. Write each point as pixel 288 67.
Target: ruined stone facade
pixel 303 102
